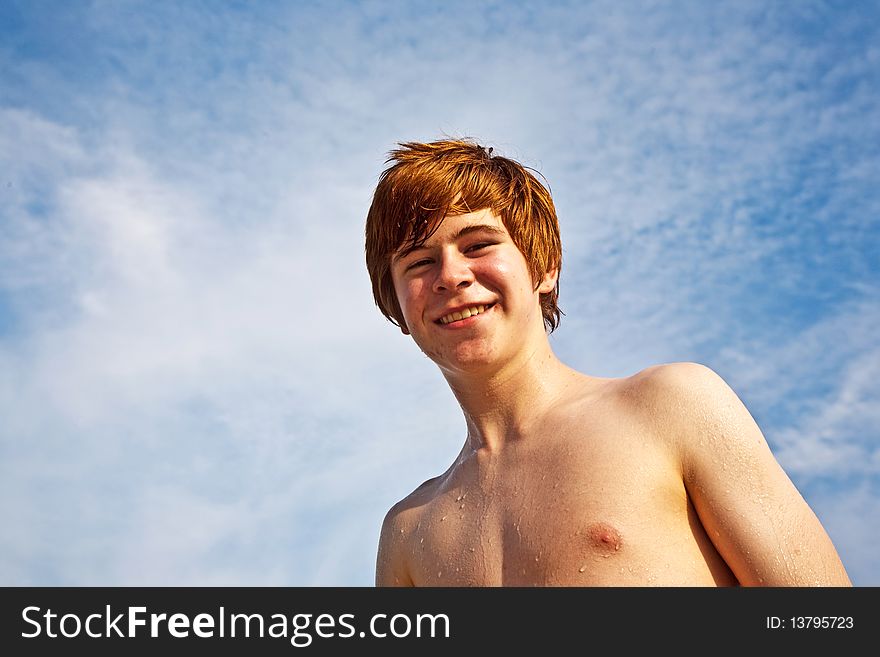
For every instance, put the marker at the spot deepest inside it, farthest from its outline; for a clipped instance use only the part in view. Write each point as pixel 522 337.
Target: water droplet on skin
pixel 443 518
pixel 582 569
pixel 473 549
pixel 439 574
pixel 461 507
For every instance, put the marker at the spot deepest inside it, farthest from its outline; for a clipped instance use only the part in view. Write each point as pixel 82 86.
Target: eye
pixel 418 263
pixel 479 245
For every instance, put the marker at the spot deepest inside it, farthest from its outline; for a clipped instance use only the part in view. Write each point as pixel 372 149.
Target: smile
pixel 464 313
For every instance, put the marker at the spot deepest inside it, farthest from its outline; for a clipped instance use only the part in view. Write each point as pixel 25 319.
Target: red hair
pixel 427 182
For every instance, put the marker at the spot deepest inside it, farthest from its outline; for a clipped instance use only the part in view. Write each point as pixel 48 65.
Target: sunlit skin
pixel 471 260
pixel 564 479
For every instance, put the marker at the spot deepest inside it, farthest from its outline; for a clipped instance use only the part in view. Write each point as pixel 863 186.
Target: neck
pixel 506 405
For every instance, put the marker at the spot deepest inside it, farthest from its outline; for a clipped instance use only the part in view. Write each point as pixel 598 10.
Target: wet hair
pixel 427 182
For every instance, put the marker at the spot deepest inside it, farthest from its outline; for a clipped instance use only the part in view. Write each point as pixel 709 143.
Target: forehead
pixel 453 226
pixel 454 222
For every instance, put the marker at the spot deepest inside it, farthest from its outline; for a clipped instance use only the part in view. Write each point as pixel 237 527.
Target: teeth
pixel 463 314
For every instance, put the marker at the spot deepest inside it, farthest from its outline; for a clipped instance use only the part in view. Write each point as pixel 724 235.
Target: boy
pixel 658 479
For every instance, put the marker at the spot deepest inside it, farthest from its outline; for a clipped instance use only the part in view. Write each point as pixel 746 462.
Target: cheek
pixel 509 276
pixel 408 295
pixel 499 273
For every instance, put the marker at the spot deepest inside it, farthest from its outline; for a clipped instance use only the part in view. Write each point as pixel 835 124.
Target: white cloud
pixel 851 516
pixel 830 439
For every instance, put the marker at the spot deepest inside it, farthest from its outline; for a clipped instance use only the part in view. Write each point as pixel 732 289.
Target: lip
pixel 467 321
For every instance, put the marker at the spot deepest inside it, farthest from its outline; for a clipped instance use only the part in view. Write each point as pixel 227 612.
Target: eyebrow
pixel 466 230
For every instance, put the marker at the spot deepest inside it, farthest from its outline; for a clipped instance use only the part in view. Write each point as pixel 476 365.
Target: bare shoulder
pixel 406 510
pixel 392 568
pixel 674 398
pixel 661 384
pixel 753 513
pixel 695 413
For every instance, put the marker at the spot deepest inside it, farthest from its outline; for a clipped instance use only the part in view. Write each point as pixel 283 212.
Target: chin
pixel 468 360
pixel 463 356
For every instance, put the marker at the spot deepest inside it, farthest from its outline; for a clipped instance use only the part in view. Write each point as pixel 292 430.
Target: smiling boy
pixel 565 479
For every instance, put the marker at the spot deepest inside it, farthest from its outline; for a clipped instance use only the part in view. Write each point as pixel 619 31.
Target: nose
pixel 454 272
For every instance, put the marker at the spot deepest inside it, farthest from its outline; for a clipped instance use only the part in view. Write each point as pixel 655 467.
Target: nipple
pixel 604 537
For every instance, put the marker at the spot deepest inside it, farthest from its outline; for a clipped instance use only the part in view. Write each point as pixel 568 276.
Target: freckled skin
pixel 657 479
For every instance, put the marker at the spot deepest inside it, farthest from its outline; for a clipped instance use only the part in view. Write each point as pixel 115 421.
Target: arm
pixel 757 519
pixel 391 569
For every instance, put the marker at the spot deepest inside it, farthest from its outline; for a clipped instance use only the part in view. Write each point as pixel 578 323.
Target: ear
pixel 548 282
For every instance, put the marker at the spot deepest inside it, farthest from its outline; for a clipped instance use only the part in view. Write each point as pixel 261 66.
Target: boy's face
pixel 469 264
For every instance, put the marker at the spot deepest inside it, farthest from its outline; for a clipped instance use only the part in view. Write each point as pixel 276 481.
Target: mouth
pixel 464 314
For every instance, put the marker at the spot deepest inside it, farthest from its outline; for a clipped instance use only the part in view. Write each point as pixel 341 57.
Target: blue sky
pixel 195 385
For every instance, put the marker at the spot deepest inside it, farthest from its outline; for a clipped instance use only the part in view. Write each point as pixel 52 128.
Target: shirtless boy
pixel 657 479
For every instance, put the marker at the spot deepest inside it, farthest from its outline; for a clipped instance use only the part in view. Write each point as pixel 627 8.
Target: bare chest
pixel 596 518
